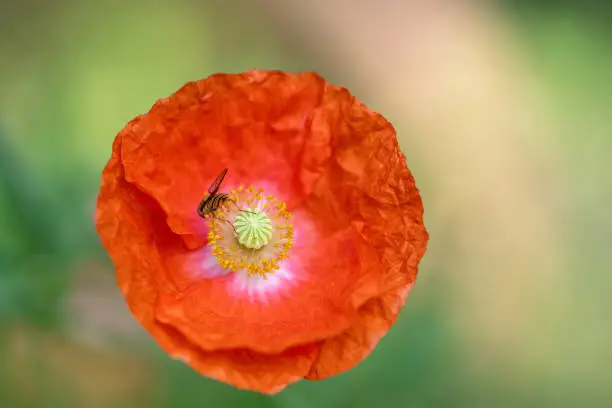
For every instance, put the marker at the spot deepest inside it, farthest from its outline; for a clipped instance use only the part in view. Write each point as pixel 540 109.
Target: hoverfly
pixel 211 203
pixel 214 199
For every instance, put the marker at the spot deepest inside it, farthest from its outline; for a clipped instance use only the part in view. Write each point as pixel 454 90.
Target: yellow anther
pixel 258 259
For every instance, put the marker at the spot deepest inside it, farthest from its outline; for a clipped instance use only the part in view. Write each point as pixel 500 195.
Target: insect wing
pixel 214 187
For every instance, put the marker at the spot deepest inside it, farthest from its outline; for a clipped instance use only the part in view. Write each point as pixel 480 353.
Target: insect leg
pixel 227 221
pixel 240 209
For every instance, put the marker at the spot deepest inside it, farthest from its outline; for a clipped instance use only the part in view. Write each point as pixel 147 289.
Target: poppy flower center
pixel 251 232
pixel 253 228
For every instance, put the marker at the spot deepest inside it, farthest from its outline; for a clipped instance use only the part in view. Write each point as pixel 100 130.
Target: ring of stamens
pixel 237 249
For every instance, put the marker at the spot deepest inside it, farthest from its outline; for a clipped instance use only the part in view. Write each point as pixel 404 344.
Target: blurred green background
pixel 503 109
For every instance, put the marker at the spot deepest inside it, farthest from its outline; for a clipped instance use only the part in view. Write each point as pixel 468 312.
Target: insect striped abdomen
pixel 211 203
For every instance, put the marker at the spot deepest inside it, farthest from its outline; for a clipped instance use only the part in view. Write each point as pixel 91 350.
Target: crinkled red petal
pixel 128 222
pixel 343 352
pixel 329 155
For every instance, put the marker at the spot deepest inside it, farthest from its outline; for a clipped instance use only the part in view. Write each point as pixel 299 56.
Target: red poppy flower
pixel 307 260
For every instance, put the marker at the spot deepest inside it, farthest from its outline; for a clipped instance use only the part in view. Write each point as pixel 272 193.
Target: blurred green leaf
pixel 33 273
